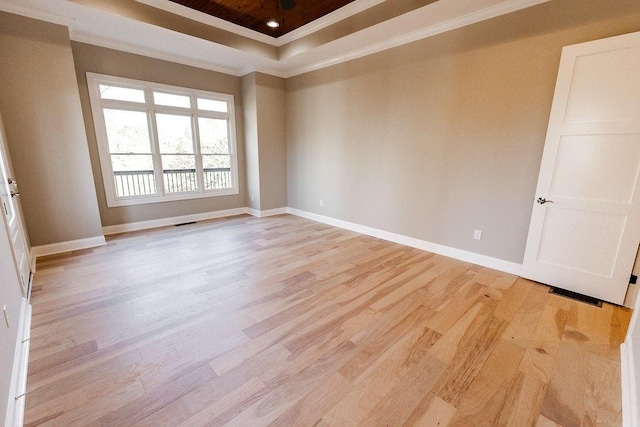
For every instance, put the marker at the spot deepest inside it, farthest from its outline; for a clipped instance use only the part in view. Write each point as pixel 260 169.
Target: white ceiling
pixel 90 25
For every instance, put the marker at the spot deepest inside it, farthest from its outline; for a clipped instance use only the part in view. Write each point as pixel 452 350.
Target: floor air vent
pixel 576 296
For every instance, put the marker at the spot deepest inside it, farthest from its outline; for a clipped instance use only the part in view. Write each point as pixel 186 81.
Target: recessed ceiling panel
pixel 254 14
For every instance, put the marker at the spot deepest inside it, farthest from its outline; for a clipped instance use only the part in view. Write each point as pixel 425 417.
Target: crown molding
pixel 338 15
pixel 329 19
pixel 30 12
pixel 105 29
pixel 412 19
pixel 135 49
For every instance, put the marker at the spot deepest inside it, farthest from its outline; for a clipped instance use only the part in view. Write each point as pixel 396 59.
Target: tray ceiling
pixel 169 31
pixel 254 14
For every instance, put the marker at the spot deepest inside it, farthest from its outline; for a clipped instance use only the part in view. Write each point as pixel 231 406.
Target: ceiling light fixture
pixel 273 23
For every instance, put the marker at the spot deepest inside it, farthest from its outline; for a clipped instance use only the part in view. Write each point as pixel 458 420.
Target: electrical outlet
pixel 251 195
pixel 321 203
pixel 477 234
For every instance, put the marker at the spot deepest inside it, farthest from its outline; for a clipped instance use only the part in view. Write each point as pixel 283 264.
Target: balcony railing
pixel 143 183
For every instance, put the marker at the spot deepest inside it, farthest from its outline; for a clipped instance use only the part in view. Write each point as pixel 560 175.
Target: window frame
pixel 98 104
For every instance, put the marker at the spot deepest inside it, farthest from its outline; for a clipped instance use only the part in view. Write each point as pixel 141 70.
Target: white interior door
pixel 11 210
pixel 585 225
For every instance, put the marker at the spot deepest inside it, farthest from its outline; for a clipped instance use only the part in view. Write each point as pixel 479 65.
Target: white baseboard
pixel 72 245
pixel 474 258
pixel 269 212
pixel 18 387
pixel 483 260
pixel 163 222
pixel 630 416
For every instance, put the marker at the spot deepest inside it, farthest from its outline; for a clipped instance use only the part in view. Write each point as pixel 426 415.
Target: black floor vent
pixel 576 296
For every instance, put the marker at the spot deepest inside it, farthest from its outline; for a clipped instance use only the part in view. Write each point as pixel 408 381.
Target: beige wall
pixel 442 136
pixel 250 114
pixel 272 141
pixel 116 63
pixel 264 108
pixel 45 132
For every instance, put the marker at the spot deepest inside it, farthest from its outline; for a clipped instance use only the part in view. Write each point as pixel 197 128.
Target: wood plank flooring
pixel 286 322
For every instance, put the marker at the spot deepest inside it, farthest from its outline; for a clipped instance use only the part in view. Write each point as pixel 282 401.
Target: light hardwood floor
pixel 283 321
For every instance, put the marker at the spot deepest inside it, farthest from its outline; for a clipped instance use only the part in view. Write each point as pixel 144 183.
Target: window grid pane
pixel 133 175
pixel 213 105
pixel 171 100
pixel 214 136
pixel 127 131
pixel 179 173
pixel 121 93
pixel 217 172
pixel 174 134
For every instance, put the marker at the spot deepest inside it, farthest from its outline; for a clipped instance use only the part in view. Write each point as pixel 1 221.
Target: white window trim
pixel 97 104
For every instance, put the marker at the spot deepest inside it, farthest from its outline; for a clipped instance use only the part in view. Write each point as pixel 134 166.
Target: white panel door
pixel 11 211
pixel 10 302
pixel 585 224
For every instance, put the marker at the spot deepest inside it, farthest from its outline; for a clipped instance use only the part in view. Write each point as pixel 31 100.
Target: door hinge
pixel 633 279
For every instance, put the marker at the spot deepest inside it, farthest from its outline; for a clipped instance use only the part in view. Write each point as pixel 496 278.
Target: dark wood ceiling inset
pixel 254 14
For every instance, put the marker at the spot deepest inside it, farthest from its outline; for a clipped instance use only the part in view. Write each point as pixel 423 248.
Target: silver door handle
pixel 15 187
pixel 542 201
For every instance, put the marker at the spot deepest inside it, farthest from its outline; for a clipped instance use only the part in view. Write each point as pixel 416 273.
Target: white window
pixel 159 143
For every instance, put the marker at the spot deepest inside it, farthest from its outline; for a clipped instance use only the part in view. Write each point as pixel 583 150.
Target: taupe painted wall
pixel 264 110
pixel 45 132
pixel 272 141
pixel 442 136
pixel 116 63
pixel 250 110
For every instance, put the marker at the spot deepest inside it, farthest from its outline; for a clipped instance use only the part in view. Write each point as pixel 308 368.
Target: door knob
pixel 14 185
pixel 542 201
